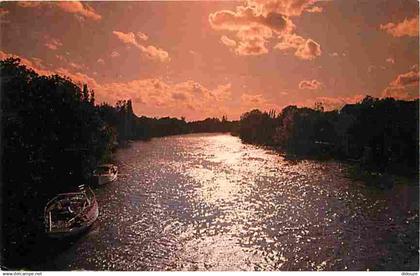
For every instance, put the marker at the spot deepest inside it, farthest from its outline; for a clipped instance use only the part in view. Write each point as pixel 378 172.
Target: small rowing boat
pixel 69 214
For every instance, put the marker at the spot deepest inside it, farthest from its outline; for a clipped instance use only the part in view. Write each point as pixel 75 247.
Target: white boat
pixel 70 214
pixel 105 173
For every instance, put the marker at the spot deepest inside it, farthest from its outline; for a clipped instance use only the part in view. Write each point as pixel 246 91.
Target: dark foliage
pixel 381 133
pixel 52 137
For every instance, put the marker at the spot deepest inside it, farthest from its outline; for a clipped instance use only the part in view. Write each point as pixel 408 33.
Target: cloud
pixel 305 49
pixel 35 64
pixel 410 78
pixel 155 53
pixel 310 84
pixel 227 41
pixel 245 17
pixel 408 27
pixel 254 100
pixel 115 54
pixel 390 60
pixel 257 22
pixel 404 86
pixel 315 9
pixel 286 7
pixel 127 38
pixel 150 51
pixel 142 36
pixel 308 50
pixel 253 46
pixel 396 92
pixel 188 98
pixel 73 7
pixel 52 43
pixel 331 103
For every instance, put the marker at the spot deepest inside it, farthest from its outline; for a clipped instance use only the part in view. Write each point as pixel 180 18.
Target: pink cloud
pixel 252 46
pixel 390 60
pixel 403 86
pixel 315 9
pixel 188 98
pixel 331 103
pixel 306 49
pixel 286 7
pixel 257 22
pixel 310 84
pixel 255 100
pixel 115 54
pixel 33 63
pixel 127 38
pixel 73 7
pixel 150 51
pixel 142 36
pixel 53 44
pixel 410 78
pixel 227 41
pixel 408 27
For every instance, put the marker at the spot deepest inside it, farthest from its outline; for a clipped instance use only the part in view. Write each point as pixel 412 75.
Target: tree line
pixel 382 134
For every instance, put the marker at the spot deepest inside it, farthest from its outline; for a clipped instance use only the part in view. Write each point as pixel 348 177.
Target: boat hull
pixel 104 179
pixel 93 214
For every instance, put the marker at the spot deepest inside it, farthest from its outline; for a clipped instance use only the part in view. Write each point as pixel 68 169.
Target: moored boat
pixel 69 214
pixel 105 173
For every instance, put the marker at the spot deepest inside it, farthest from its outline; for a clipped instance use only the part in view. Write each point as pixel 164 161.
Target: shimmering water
pixel 209 202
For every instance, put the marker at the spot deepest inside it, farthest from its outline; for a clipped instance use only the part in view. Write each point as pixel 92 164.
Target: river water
pixel 210 202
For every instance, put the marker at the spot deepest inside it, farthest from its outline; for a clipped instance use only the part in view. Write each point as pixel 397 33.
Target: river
pixel 210 202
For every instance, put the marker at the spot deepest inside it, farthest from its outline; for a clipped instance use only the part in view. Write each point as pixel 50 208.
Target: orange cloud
pixel 286 7
pixel 53 44
pixel 252 46
pixel 331 103
pixel 255 101
pixel 310 84
pixel 306 49
pixel 34 63
pixel 408 27
pixel 396 92
pixel 150 51
pixel 115 54
pixel 407 79
pixel 390 60
pixel 142 36
pixel 400 86
pixel 227 41
pixel 315 9
pixel 260 21
pixel 187 98
pixel 74 7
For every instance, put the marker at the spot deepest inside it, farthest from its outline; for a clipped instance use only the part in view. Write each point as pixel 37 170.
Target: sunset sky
pixel 201 59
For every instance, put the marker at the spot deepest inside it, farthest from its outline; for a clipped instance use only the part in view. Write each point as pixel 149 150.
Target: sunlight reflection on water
pixel 209 202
